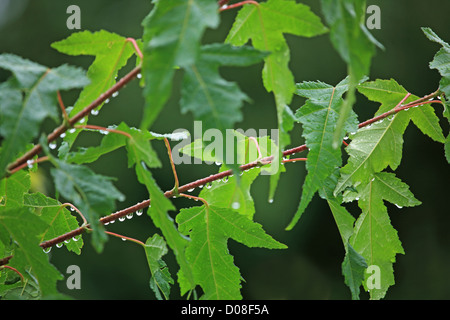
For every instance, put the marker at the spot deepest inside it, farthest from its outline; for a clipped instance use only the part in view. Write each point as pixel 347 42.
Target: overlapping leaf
pixel 160 281
pixel 209 228
pixel 172 34
pixel 28 98
pixel 319 116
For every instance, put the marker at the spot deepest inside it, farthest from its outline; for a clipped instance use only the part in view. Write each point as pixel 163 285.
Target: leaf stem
pixel 169 151
pixel 125 238
pixel 225 6
pixel 94 127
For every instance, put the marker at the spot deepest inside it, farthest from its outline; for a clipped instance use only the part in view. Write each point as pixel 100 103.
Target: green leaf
pixel 94 195
pixel 111 52
pixel 160 281
pixel 389 93
pixel 25 228
pixel 354 44
pixel 265 25
pixel 172 35
pixel 57 217
pixel 441 61
pixel 209 228
pixel 207 95
pixel 27 99
pixel 374 237
pixel 319 116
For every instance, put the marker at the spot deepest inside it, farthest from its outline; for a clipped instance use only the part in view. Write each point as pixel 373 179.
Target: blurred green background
pixel 311 267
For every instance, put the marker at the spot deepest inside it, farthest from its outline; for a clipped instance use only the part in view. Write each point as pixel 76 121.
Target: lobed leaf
pixel 209 228
pixel 111 52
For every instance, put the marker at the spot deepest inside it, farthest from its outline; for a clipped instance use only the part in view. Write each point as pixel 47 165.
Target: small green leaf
pixel 161 280
pixel 353 269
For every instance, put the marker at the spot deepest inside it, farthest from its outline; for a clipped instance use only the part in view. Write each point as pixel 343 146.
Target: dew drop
pixel 235 205
pixel 52 146
pixel 75 239
pixel 115 94
pixel 59 245
pixel 123 239
pixel 200 186
pixel 107 101
pixel 190 190
pixel 398 206
pixel 66 241
pixel 106 223
pixel 218 163
pixel 130 216
pixel 72 130
pixel 62 135
pixel 225 179
pixel 82 120
pixel 270 200
pixel 139 76
pixel 30 163
pixel 112 221
pixel 139 212
pixel 94 112
pixel 345 138
pixel 47 250
pixel 122 219
pixel 208 186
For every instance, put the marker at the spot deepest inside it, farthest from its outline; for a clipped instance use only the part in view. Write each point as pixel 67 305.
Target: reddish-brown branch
pixel 72 121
